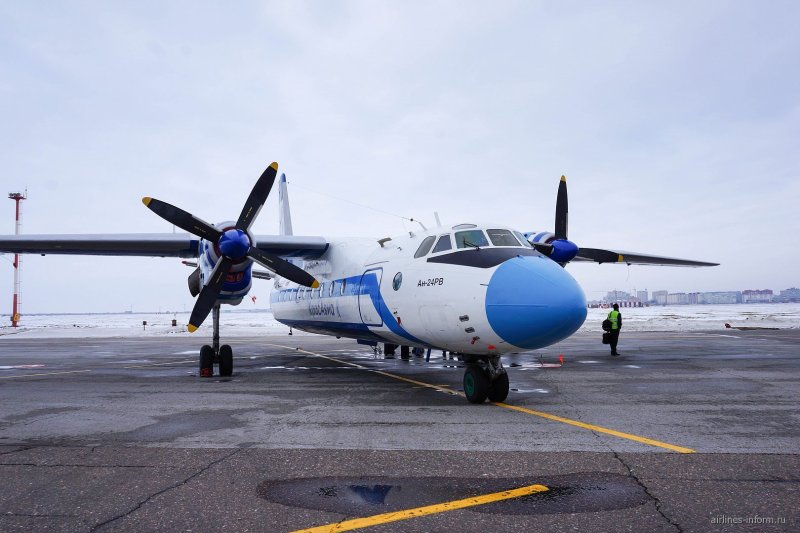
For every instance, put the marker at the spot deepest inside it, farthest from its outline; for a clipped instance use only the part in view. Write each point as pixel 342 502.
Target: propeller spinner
pixel 234 244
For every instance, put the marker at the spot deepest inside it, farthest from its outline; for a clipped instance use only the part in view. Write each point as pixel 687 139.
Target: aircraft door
pixel 369 297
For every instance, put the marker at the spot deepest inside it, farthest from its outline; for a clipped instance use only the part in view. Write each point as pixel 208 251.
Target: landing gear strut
pixel 485 378
pixel 222 355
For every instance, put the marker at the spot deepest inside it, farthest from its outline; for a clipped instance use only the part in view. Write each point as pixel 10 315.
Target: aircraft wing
pixel 150 245
pixel 599 255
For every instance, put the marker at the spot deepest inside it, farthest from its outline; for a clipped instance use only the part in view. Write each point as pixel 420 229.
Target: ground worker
pixel 615 317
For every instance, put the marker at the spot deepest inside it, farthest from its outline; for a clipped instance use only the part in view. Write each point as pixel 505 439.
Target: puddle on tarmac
pixel 364 496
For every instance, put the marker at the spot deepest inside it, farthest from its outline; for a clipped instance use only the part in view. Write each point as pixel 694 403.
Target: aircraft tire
pixel 206 361
pixel 476 384
pixel 404 352
pixel 225 360
pixel 498 390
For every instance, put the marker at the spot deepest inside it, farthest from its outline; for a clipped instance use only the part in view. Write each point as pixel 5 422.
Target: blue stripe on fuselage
pixel 354 287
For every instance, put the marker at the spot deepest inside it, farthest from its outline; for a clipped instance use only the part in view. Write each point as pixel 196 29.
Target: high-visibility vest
pixel 613 316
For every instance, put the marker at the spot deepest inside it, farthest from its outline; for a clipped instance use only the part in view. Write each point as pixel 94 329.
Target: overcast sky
pixel 676 123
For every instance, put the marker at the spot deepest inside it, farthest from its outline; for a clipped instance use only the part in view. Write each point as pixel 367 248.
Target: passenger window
pixel 523 240
pixel 471 239
pixel 330 288
pixel 425 247
pixel 344 283
pixel 502 237
pixel 443 244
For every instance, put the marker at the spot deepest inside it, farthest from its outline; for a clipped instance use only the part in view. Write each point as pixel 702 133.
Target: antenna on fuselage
pixel 438 222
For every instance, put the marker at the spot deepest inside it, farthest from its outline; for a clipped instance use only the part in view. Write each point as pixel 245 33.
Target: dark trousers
pixel 614 338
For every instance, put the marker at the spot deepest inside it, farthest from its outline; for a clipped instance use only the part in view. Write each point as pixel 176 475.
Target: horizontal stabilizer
pixel 598 255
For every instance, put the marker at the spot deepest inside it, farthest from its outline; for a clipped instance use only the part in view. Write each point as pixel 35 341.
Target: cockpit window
pixel 471 239
pixel 502 237
pixel 523 240
pixel 443 244
pixel 425 247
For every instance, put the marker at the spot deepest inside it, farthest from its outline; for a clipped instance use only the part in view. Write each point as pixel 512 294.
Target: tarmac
pixel 693 431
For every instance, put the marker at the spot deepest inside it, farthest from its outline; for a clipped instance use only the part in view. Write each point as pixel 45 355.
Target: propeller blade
pixel 283 268
pixel 208 295
pixel 182 219
pixel 600 255
pixel 257 197
pixel 562 208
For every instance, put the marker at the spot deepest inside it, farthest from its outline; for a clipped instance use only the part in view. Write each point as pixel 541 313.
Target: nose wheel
pixel 485 378
pixel 221 355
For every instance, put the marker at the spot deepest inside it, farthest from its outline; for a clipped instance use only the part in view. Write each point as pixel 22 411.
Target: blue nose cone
pixel 234 243
pixel 532 302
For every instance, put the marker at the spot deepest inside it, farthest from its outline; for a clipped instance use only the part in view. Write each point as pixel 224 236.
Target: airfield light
pixel 17 197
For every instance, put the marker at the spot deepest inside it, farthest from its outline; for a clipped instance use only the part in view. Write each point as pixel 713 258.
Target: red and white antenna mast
pixel 17 197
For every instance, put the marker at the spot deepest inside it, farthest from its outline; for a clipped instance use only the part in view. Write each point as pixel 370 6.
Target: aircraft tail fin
pixel 283 207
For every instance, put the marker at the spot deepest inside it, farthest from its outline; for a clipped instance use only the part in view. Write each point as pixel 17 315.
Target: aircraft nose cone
pixel 234 243
pixel 532 302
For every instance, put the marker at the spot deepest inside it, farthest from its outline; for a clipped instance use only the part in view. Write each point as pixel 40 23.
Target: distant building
pixel 677 298
pixel 660 297
pixel 724 297
pixel 617 296
pixel 642 296
pixel 694 298
pixel 751 296
pixel 788 295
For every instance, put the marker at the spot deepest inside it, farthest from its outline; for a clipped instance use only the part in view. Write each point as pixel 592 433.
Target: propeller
pixel 559 248
pixel 234 244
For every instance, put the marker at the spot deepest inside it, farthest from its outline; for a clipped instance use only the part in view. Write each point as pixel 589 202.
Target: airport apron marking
pixel 394 516
pixel 44 374
pixel 555 418
pixel 162 364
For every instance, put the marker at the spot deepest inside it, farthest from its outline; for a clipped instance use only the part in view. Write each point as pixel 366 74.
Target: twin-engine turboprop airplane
pixel 478 290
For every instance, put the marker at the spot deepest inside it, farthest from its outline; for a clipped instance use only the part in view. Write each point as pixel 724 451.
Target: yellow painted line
pixel 600 429
pixel 555 418
pixel 576 423
pixel 44 374
pixel 381 372
pixel 385 518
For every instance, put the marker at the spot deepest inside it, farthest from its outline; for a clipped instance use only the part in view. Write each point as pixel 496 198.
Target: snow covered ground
pixel 238 324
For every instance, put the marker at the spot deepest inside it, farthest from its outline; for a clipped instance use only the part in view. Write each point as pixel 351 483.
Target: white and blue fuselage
pixel 467 289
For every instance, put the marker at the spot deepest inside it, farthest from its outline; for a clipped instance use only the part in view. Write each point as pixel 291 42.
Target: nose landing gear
pixel 485 378
pixel 221 355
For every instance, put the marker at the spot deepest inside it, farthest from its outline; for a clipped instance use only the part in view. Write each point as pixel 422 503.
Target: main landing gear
pixel 222 355
pixel 485 378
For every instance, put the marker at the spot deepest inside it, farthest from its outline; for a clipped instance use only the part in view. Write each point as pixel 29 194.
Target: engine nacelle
pixel 240 277
pixel 562 250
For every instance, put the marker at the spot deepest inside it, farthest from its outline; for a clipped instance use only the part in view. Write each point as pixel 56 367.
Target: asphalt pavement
pixel 693 431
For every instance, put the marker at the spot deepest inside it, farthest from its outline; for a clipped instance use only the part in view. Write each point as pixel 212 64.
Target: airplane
pixel 475 290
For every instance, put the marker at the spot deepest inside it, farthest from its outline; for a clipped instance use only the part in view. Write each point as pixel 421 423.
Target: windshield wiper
pixel 467 243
